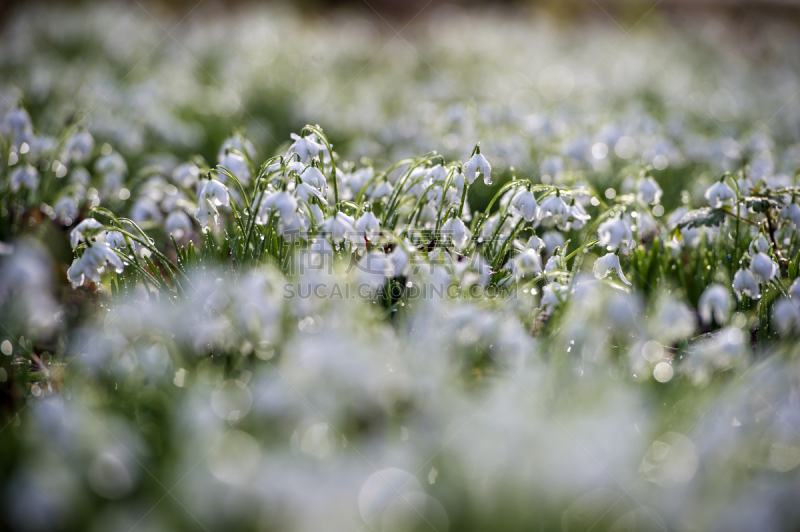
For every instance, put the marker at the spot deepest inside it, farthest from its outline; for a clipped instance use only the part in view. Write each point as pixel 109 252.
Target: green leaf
pixel 703 217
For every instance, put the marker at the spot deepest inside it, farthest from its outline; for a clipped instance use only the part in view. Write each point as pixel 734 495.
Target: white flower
pixel 759 244
pixel 764 267
pixel 212 194
pixel 552 240
pixel 66 209
pixel 145 209
pixel 315 178
pixel 113 163
pixel 237 165
pixel 478 163
pixel 792 213
pixel 383 190
pixel 374 267
pixel 294 165
pixel 306 147
pixel 294 227
pixel 715 302
pixel 552 206
pixel 399 261
pixel 17 126
pixel 674 320
pixel 116 240
pixel 428 215
pixel 304 191
pixel 786 316
pixel 615 233
pixel 794 290
pixel 281 202
pixel 26 176
pixel 535 243
pixel 719 194
pixel 524 204
pixel 606 264
pixel 577 216
pixel 457 231
pixel 368 225
pixel 553 294
pixel 744 282
pixel 526 263
pixel 238 142
pixel 339 226
pixel 648 191
pixel 178 224
pixel 186 175
pixel 78 148
pixel 92 263
pixel 437 174
pixel 83 231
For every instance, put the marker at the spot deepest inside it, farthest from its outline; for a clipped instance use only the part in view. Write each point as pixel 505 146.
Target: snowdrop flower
pixel 212 194
pixel 648 191
pixel 744 282
pixel 116 240
pixel 792 213
pixel 794 290
pixel 26 176
pixel 473 272
pixel 305 147
pixel 428 215
pixel 399 261
pixel 83 231
pixel 457 231
pixel 606 264
pixel 186 175
pixel 577 217
pixel 339 226
pixel 374 267
pixel 552 240
pixel 78 148
pixel 66 209
pixel 764 267
pixel 535 243
pixel 145 209
pixel 368 225
pixel 674 320
pixel 305 192
pixel 281 202
pixel 478 163
pixel 237 165
pixel 314 177
pixel 437 174
pixel 553 294
pixel 526 263
pixel 615 233
pixel 79 176
pixel 295 166
pixel 552 206
pixel 178 224
pixel 383 190
pixel 758 245
pixel 524 204
pixel 296 227
pixel 113 163
pixel 17 126
pixel 719 194
pixel 237 142
pixel 715 302
pixel 786 315
pixel 92 263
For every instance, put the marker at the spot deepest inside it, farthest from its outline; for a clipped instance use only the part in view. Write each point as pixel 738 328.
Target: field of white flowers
pixel 266 270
